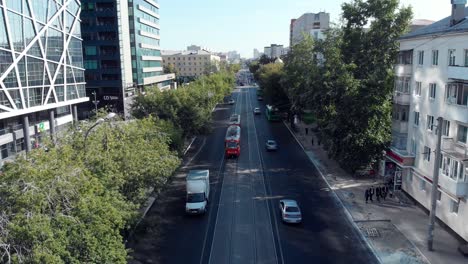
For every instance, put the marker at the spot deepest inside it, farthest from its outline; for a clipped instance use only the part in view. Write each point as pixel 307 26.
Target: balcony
pixel 401 98
pixel 457 187
pixel 454 149
pixel 400 127
pixel 403 69
pixel 457 73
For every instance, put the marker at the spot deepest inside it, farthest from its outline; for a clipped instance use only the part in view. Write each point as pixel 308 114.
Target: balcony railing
pixel 457 72
pixel 400 126
pixel 401 98
pixel 454 149
pixel 457 187
pixel 403 69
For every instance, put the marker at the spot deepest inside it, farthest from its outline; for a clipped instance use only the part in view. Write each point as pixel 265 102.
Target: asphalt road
pixel 243 223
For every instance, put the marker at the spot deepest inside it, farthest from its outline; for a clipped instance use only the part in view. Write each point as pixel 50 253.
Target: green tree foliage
pixel 269 80
pixel 347 80
pixel 72 204
pixel 189 107
pixel 170 68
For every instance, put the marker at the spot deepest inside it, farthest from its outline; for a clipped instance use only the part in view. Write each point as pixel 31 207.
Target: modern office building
pixel 432 83
pixel 309 23
pixel 191 64
pixel 256 54
pixel 121 52
pixel 41 71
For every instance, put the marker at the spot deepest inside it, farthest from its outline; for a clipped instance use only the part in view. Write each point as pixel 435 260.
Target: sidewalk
pixel 395 228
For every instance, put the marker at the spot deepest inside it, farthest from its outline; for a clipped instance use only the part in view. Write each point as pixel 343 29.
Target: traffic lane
pixel 325 234
pixel 169 231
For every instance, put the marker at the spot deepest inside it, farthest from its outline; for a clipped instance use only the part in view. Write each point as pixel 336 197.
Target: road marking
pixel 196 154
pixel 347 213
pixel 217 213
pixel 266 193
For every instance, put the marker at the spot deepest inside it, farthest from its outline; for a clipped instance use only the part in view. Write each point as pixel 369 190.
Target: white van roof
pixel 198 174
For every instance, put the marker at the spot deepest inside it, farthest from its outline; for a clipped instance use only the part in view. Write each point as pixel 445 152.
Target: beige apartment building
pixel 191 63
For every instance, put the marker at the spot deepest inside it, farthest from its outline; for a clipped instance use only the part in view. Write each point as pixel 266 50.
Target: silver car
pixel 257 110
pixel 271 145
pixel 290 211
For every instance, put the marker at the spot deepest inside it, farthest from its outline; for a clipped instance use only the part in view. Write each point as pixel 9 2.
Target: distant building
pixel 274 51
pixel 233 56
pixel 256 54
pixel 291 28
pixel 313 24
pixel 194 48
pixel 191 63
pixel 431 81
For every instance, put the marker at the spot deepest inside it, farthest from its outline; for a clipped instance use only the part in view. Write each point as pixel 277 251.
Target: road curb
pixel 335 195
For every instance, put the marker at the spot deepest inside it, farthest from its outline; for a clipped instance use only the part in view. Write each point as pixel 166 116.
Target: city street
pixel 243 222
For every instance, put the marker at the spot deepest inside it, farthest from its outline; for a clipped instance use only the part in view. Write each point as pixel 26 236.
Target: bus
pixel 272 113
pixel 232 142
pixel 234 120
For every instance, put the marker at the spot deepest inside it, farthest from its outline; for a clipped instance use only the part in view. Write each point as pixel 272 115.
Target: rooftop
pixel 439 27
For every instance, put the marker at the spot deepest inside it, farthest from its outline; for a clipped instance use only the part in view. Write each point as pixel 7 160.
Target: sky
pixel 242 25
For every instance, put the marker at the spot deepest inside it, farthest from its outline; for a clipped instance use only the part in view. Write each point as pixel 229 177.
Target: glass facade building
pixel 41 66
pixel 121 51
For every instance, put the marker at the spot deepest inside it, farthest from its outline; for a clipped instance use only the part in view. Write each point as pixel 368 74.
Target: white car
pixel 231 102
pixel 256 111
pixel 290 211
pixel 271 145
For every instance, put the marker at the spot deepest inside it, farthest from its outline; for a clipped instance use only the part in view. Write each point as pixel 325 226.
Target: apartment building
pixel 313 24
pixel 121 52
pixel 274 51
pixel 191 63
pixel 41 71
pixel 432 82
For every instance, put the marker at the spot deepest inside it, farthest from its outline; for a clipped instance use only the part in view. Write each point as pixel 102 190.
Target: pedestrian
pixel 319 141
pixel 312 140
pixel 377 193
pixel 371 193
pixel 366 194
pixel 384 193
pixel 307 130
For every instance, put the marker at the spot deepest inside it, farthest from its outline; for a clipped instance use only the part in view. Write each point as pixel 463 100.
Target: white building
pixel 256 54
pixel 432 82
pixel 191 63
pixel 309 23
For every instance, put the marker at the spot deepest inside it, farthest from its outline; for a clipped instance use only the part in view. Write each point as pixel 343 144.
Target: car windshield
pixel 232 145
pixel 271 143
pixel 195 197
pixel 291 209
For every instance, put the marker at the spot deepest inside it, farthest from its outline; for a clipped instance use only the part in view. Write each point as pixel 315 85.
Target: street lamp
pixel 95 102
pixel 99 121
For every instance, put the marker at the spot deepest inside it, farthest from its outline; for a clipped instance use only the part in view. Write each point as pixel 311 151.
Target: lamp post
pixel 99 121
pixel 95 102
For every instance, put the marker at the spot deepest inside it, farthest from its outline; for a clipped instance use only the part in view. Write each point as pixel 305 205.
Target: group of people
pixel 379 191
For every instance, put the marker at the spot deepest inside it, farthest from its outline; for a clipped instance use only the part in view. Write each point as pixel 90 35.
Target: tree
pixel 170 68
pixel 269 80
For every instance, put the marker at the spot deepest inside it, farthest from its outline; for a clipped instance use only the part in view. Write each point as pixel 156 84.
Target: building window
pixel 430 122
pixel 462 134
pixel 421 57
pixel 410 177
pixel 422 185
pixel 435 57
pixel 453 207
pixel 417 90
pixel 90 50
pixel 466 58
pixel 457 93
pixel 451 55
pixel 439 195
pixel 446 128
pixel 416 118
pixel 427 153
pixel 432 90
pixel 90 64
pixel 413 147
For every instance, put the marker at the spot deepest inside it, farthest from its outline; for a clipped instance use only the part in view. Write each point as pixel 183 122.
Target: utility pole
pixel 96 102
pixel 435 184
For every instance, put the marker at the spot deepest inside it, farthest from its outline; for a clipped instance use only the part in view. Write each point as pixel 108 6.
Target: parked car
pixel 290 211
pixel 259 98
pixel 271 145
pixel 256 111
pixel 231 102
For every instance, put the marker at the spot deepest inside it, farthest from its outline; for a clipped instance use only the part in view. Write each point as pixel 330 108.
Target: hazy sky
pixel 242 25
